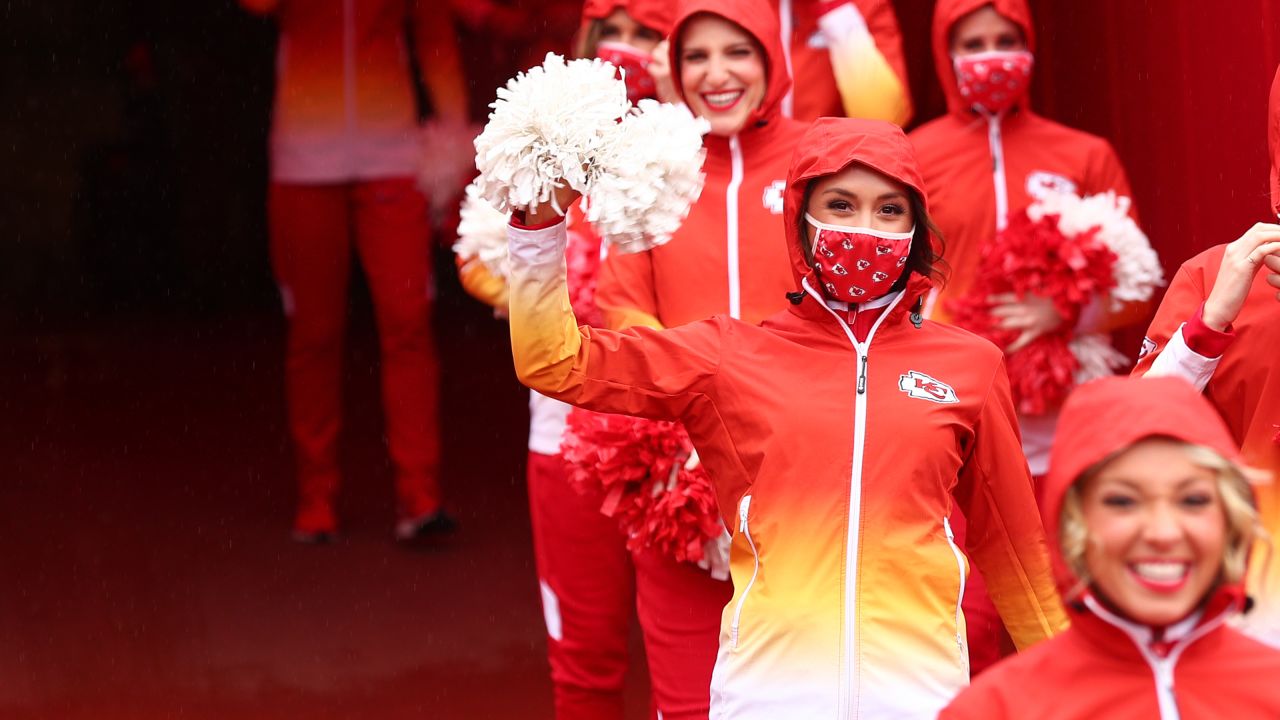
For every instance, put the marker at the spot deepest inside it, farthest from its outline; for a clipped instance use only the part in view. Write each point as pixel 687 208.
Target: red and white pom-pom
pixel 636 469
pixel 651 175
pixel 549 125
pixel 1137 271
pixel 447 160
pixel 1036 257
pixel 482 232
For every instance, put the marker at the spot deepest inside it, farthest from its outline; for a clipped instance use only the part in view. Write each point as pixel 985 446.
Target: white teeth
pixel 1161 571
pixel 723 98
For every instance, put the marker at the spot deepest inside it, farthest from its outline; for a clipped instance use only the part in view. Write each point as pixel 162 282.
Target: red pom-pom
pixel 635 468
pixel 1035 257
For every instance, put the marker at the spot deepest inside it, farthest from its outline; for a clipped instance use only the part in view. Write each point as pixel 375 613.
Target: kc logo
pixel 1041 184
pixel 772 198
pixel 922 387
pixel 1148 347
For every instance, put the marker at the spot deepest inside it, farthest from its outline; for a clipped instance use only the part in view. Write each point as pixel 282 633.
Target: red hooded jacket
pixel 835 463
pixel 725 258
pixel 1106 666
pixel 1239 372
pixel 978 170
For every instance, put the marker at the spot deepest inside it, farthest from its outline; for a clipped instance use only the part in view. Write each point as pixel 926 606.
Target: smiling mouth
pixel 1161 576
pixel 722 100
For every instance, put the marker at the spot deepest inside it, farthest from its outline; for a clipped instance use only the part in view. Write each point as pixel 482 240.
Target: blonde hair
pixel 1232 481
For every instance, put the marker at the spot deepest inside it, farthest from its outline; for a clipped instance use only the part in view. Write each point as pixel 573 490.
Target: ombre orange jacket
pixel 836 464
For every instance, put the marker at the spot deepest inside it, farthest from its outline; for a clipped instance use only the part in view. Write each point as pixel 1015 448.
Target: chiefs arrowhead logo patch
pixel 922 387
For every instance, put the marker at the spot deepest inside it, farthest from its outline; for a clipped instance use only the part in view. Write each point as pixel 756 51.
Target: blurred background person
pixel 846 59
pixel 991 156
pixel 343 155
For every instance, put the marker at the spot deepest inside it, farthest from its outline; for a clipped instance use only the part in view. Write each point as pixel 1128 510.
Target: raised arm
pixel 866 58
pixel 1005 536
pixel 658 374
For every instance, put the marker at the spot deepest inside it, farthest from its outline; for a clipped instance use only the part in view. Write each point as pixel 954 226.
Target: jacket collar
pixel 1116 634
pixel 904 310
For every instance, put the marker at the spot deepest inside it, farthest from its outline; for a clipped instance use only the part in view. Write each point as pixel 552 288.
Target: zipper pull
pixel 742 511
pixel 862 377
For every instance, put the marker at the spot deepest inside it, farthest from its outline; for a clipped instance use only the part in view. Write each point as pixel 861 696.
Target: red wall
pixel 1178 86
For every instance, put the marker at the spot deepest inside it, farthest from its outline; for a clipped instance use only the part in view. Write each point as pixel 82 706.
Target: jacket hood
pixel 945 15
pixel 829 146
pixel 1273 141
pixel 1105 416
pixel 654 14
pixel 760 21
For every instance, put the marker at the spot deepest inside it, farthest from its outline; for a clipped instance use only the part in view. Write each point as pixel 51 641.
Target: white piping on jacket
pixel 784 29
pixel 850 677
pixel 731 224
pixel 1161 668
pixel 960 639
pixel 997 171
pixel 743 507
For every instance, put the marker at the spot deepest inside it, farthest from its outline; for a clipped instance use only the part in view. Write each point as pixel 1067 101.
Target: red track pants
pixel 313 231
pixel 589 581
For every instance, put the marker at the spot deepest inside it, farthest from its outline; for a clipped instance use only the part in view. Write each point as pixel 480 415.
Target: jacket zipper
pixel 1161 668
pixel 848 679
pixel 997 171
pixel 731 223
pixel 960 640
pixel 746 531
pixel 784 29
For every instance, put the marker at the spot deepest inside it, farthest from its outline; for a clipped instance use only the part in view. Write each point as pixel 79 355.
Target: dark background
pixel 145 491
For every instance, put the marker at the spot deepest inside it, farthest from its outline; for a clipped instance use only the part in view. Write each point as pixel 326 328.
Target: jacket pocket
pixel 961 645
pixel 745 528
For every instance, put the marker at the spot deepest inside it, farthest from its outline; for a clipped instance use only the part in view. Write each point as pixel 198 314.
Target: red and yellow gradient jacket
pixel 344 106
pixel 979 170
pixel 725 258
pixel 1242 381
pixel 846 58
pixel 1105 665
pixel 835 464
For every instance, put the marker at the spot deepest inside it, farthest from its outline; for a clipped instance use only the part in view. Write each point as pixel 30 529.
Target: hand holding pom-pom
pixel 566 129
pixel 546 131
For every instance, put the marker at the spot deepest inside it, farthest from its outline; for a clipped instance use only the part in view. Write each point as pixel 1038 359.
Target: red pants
pixel 588 585
pixel 313 230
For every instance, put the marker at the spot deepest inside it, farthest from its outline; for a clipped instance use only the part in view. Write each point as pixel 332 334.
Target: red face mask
pixel 634 66
pixel 857 264
pixel 993 82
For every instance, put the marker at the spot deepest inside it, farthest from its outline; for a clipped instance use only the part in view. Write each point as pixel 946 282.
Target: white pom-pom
pixel 1137 271
pixel 650 174
pixel 548 124
pixel 1097 357
pixel 482 232
pixel 447 160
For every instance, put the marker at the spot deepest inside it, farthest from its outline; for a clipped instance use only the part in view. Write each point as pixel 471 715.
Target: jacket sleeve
pixel 1107 173
pixel 865 45
pixel 644 372
pixel 1005 535
pixel 481 284
pixel 625 291
pixel 439 59
pixel 1164 350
